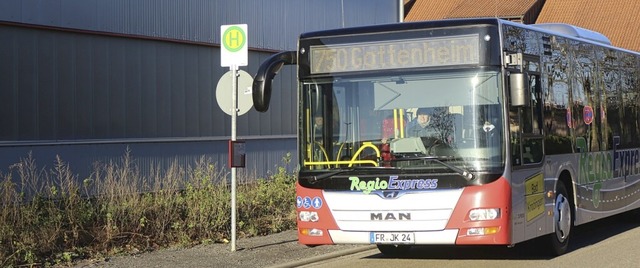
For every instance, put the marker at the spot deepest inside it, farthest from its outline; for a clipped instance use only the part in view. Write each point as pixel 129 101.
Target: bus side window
pixel 532 151
pixel 534 143
pixel 514 129
pixel 527 137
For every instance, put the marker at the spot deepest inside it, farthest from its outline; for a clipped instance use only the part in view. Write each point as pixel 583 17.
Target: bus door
pixel 527 152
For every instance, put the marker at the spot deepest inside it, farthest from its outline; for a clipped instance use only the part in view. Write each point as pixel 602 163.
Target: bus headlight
pixel 482 231
pixel 483 214
pixel 312 232
pixel 311 216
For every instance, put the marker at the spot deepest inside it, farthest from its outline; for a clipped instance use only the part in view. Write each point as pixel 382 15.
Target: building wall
pixel 60 85
pixel 272 24
pixel 89 98
pixel 89 80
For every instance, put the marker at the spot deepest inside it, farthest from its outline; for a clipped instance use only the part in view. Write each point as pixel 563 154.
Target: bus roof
pixel 559 29
pixel 404 26
pixel 575 31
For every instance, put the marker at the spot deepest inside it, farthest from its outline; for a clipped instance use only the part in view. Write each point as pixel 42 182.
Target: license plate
pixel 392 238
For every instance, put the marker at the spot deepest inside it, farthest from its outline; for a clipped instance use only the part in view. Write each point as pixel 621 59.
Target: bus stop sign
pixel 244 97
pixel 233 45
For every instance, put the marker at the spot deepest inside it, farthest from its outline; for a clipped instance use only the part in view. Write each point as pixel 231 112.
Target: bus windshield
pixel 404 120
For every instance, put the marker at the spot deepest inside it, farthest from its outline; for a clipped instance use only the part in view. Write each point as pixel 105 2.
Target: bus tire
pixel 394 250
pixel 563 217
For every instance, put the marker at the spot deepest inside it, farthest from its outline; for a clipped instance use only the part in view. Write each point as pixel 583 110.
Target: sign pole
pixel 234 115
pixel 233 53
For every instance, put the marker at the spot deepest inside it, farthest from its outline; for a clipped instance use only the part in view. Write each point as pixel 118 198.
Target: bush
pixel 50 217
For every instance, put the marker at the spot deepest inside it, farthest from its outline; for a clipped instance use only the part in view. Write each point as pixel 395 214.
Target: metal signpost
pixel 234 53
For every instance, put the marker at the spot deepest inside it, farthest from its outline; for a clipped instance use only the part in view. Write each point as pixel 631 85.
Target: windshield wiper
pixel 440 159
pixel 324 176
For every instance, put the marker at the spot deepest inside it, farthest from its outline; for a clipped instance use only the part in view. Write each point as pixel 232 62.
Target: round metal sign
pixel 224 92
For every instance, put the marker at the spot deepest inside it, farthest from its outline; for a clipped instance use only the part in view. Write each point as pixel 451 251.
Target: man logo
pixel 390 216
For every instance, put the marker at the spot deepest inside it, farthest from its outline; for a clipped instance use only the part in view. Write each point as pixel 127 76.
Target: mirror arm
pixel 261 87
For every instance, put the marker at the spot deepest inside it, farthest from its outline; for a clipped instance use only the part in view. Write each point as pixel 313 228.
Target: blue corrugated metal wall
pixel 78 86
pixel 86 79
pixel 264 155
pixel 63 91
pixel 273 24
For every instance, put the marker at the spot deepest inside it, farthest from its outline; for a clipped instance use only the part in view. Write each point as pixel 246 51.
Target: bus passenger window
pixel 514 130
pixel 526 127
pixel 532 151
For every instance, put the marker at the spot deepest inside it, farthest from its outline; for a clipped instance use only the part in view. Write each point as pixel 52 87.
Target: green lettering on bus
pixel 594 167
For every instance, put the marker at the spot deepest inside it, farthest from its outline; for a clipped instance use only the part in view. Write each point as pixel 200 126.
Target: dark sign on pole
pixel 236 153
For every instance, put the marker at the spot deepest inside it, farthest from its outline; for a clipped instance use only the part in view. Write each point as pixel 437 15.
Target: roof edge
pixel 574 31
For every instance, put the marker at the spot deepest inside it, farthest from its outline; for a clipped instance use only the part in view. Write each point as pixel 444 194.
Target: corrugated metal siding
pixel 74 86
pixel 263 157
pixel 86 95
pixel 200 20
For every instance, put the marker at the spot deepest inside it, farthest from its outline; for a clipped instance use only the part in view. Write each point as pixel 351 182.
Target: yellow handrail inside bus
pixel 308 125
pixel 340 151
pixel 395 123
pixel 401 123
pixel 398 123
pixel 324 152
pixel 343 162
pixel 349 162
pixel 365 145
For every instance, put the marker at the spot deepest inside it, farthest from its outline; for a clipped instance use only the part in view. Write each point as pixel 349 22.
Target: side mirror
pixel 519 88
pixel 261 87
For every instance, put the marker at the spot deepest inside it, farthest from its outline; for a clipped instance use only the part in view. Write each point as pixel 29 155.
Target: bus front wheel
pixel 562 221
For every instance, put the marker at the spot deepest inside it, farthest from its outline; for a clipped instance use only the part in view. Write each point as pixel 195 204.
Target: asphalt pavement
pixel 277 250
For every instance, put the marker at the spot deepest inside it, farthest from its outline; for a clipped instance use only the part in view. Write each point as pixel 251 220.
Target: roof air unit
pixel 574 31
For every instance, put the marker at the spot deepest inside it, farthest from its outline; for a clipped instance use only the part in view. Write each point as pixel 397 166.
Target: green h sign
pixel 233 47
pixel 234 38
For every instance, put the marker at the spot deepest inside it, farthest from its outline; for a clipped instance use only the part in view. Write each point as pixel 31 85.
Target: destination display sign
pixel 395 54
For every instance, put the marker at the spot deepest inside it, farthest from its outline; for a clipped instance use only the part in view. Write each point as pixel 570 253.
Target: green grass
pixel 53 218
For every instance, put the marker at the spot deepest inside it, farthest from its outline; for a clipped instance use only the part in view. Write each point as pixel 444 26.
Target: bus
pixel 533 130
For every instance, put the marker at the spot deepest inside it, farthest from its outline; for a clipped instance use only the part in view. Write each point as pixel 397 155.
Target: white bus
pixel 532 129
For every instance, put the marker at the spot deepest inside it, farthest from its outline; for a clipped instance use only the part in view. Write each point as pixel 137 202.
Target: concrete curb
pixel 325 257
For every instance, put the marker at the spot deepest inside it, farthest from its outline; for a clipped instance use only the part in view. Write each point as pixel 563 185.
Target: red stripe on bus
pixel 493 195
